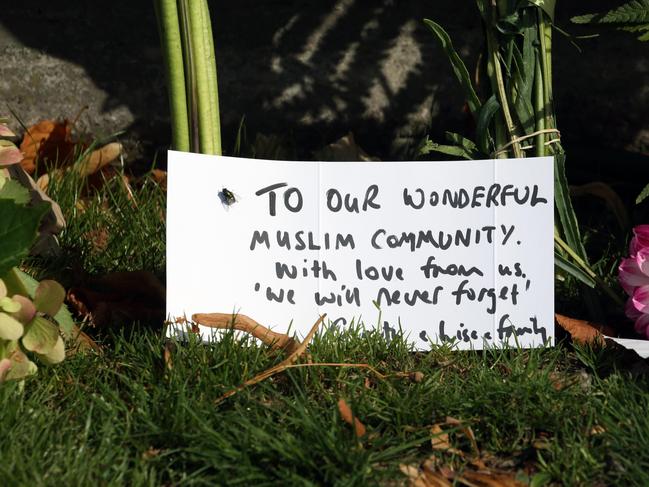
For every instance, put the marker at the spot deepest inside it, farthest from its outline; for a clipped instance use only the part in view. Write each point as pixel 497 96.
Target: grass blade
pixel 458 65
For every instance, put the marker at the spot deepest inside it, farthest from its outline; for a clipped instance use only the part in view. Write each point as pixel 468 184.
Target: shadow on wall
pixel 311 72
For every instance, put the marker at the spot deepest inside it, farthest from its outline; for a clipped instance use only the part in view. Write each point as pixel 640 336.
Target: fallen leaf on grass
pixel 167 355
pixel 160 177
pixel 348 417
pixel 81 342
pixel 440 440
pixel 488 478
pixel 467 431
pixel 583 331
pixel 226 321
pixel 120 297
pixel 417 376
pixel 48 140
pixel 99 158
pixel 424 478
pixel 151 453
pixel 428 475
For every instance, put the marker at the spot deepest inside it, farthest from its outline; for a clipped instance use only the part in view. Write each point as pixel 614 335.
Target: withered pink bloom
pixel 5 131
pixel 633 274
pixel 9 154
pixel 640 239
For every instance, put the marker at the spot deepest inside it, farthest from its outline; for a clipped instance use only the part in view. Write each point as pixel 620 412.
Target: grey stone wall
pixel 312 70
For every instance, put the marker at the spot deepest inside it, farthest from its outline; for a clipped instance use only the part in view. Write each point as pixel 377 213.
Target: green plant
pixel 27 309
pixel 632 16
pixel 188 45
pixel 515 117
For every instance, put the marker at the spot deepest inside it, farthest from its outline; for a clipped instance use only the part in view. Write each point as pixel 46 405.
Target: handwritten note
pixel 457 252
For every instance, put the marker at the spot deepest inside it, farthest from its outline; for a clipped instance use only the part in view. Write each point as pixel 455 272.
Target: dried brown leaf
pixel 583 331
pixel 151 453
pixel 467 431
pixel 167 355
pixel 120 297
pixel 80 342
pixel 48 140
pixel 424 477
pixel 348 417
pixel 440 440
pixel 417 376
pixel 487 478
pixel 99 158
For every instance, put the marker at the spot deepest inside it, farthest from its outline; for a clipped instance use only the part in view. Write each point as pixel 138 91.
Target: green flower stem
pixel 539 110
pixel 212 81
pixel 167 14
pixel 499 85
pixel 201 67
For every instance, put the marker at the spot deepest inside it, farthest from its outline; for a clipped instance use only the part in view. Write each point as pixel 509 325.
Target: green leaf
pixel 14 191
pixel 644 37
pixel 546 5
pixel 564 208
pixel 644 194
pixel 41 336
pixel 485 116
pixel 450 150
pixel 570 268
pixel 18 230
pixel 634 12
pixel 458 65
pixel 49 297
pixel 467 144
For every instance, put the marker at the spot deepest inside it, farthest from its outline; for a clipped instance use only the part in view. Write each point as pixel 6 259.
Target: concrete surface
pixel 312 70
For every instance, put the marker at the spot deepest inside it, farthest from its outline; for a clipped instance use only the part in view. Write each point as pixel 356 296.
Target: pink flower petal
pixel 631 276
pixel 630 311
pixel 10 155
pixel 641 233
pixel 641 299
pixel 5 132
pixel 634 246
pixel 642 259
pixel 641 324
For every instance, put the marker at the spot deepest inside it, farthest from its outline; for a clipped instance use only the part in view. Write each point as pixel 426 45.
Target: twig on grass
pixel 280 341
pixel 226 321
pixel 281 367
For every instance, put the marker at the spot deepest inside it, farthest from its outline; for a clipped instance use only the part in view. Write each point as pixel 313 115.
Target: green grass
pixel 92 420
pixel 568 416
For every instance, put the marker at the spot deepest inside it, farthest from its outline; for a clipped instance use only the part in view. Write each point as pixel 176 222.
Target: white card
pixel 456 252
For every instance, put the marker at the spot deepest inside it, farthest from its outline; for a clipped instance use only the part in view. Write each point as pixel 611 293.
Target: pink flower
pixel 634 278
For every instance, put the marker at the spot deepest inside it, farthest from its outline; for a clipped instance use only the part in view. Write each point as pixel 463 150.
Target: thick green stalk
pixel 190 77
pixel 498 86
pixel 539 109
pixel 201 64
pixel 213 84
pixel 170 38
pixel 545 38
